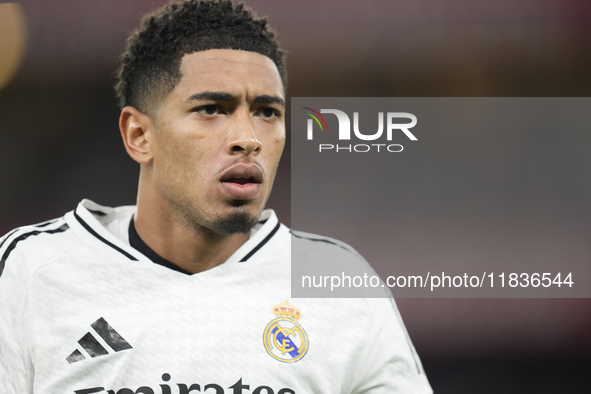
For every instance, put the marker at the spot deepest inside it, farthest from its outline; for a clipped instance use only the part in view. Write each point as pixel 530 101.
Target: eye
pixel 269 113
pixel 208 109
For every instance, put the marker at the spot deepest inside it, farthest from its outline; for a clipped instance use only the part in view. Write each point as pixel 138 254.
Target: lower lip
pixel 241 192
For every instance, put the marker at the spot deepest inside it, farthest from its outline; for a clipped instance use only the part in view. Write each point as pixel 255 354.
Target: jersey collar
pixel 92 223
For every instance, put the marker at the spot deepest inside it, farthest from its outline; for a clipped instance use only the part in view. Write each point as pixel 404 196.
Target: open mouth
pixel 243 174
pixel 240 181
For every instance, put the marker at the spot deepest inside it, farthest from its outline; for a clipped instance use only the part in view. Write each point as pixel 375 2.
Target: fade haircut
pixel 150 66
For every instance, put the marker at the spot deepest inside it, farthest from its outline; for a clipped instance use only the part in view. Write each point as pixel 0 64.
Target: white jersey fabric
pixel 81 311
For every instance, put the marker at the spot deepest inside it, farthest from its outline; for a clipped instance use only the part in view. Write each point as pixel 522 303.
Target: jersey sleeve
pixel 389 363
pixel 13 297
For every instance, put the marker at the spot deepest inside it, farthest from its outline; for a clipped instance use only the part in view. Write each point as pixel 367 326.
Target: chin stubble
pixel 238 222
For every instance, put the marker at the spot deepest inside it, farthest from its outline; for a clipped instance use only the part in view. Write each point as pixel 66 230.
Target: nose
pixel 244 139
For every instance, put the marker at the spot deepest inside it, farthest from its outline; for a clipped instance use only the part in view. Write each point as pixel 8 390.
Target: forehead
pixel 237 72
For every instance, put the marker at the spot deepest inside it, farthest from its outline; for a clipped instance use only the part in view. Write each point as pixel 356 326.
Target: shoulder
pixel 326 267
pixel 27 248
pixel 314 244
pixel 37 239
pixel 35 242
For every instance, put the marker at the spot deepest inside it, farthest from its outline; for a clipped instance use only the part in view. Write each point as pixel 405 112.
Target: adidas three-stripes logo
pixel 93 347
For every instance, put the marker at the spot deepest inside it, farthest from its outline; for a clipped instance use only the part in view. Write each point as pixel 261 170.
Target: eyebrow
pixel 213 96
pixel 266 99
pixel 229 97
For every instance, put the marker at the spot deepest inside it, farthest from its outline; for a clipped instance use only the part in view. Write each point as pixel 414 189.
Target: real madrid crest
pixel 284 338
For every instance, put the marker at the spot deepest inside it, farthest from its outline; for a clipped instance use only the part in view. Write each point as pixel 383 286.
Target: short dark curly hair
pixel 150 66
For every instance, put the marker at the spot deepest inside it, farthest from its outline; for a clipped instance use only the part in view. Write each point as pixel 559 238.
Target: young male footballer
pixel 189 291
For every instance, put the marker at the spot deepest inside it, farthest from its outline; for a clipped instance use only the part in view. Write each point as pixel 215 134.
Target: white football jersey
pixel 81 311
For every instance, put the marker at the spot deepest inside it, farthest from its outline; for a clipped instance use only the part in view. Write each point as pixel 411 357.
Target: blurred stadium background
pixel 59 139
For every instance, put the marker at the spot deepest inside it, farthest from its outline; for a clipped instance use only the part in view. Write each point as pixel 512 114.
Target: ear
pixel 136 129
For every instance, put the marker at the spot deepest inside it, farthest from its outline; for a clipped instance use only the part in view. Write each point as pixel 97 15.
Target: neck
pixel 168 234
